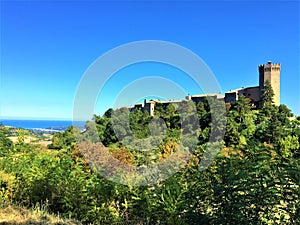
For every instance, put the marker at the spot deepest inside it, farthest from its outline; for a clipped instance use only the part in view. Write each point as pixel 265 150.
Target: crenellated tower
pixel 270 72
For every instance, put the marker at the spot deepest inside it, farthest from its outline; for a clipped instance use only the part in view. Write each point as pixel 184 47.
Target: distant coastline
pixel 40 125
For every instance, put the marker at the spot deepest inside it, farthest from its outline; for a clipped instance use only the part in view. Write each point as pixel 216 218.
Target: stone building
pixel 267 72
pixel 202 97
pixel 252 93
pixel 149 106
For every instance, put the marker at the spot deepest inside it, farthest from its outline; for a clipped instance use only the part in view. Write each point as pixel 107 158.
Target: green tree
pixel 241 118
pixel 287 145
pixel 6 145
pixel 90 132
pixel 108 113
pixel 139 122
pixel 66 139
pixel 266 102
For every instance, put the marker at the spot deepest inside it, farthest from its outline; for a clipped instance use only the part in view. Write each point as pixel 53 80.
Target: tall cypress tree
pixel 266 103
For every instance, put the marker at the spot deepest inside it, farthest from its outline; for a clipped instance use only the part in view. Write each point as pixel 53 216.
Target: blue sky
pixel 46 47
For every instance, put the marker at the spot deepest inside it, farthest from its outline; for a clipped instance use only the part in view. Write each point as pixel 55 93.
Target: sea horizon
pixel 34 118
pixel 50 124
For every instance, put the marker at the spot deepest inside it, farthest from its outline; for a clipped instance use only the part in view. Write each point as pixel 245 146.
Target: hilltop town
pixel 267 73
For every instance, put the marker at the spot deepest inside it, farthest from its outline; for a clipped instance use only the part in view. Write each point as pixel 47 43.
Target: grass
pixel 43 139
pixel 17 215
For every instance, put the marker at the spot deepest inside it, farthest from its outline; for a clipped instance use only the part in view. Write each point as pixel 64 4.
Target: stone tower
pixel 270 72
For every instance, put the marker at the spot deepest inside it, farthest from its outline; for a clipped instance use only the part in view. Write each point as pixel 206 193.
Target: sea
pixel 43 126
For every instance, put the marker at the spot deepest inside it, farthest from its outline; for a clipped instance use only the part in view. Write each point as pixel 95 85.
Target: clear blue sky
pixel 46 46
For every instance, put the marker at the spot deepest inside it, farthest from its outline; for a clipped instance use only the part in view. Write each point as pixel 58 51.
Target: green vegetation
pixel 253 180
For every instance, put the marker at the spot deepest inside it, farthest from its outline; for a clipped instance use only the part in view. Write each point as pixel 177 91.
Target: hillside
pixel 247 173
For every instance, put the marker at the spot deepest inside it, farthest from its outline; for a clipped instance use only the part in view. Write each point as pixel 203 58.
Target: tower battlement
pixel 269 64
pixel 269 67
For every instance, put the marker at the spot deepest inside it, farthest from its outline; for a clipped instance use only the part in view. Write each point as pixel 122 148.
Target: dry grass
pixel 22 216
pixel 28 139
pixel 32 139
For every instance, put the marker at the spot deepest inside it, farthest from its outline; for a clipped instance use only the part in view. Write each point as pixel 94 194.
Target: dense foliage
pixel 253 180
